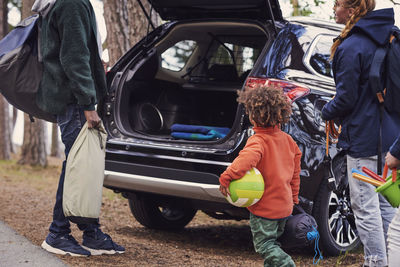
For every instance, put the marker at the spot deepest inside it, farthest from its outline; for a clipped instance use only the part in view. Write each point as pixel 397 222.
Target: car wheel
pixel 335 219
pixel 152 214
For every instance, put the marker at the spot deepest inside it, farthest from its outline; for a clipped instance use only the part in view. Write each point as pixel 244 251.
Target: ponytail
pixel 361 8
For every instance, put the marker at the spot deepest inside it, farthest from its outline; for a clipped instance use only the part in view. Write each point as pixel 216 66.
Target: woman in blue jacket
pixel 357 109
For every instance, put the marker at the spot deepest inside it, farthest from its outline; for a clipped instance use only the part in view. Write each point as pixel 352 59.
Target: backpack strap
pixel 375 73
pixel 379 162
pixel 377 86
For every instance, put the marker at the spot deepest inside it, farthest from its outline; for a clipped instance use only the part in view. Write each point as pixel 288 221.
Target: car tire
pixel 153 214
pixel 335 219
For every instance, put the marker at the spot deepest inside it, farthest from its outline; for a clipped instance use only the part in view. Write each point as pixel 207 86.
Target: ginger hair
pixel 361 8
pixel 265 106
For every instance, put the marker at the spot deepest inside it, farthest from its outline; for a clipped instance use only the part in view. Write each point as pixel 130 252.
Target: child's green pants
pixel 265 233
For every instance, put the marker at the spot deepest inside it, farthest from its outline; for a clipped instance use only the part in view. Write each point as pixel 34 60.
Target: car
pixel 187 72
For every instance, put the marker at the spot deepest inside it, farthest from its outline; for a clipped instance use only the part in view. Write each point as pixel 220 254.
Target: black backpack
pixel 21 69
pixel 384 78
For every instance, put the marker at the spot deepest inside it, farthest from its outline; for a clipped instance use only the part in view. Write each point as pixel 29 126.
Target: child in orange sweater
pixel 276 155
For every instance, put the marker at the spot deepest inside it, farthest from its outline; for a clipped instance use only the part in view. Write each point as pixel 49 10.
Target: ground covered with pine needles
pixel 27 196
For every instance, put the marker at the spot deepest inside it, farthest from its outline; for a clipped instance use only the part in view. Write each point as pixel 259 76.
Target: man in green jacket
pixel 72 83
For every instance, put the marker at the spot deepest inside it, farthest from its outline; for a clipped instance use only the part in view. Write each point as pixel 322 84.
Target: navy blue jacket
pixel 355 104
pixel 395 148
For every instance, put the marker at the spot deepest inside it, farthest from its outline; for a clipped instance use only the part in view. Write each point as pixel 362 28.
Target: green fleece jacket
pixel 72 68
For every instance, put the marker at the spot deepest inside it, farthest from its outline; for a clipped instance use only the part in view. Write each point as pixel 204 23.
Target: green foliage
pixel 319 2
pixel 304 9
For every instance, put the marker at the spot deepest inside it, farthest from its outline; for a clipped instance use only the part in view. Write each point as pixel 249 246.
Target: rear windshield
pixel 176 57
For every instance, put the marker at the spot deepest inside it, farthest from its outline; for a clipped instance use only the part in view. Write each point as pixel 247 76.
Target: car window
pixel 242 57
pixel 175 57
pixel 319 59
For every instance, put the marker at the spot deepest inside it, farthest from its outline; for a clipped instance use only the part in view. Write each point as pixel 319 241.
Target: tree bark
pixel 296 7
pixel 33 149
pixel 10 131
pixel 13 121
pixel 3 18
pixel 26 8
pixel 55 150
pixel 126 25
pixel 5 141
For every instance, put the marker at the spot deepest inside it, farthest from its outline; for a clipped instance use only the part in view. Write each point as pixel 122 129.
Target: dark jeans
pixel 70 124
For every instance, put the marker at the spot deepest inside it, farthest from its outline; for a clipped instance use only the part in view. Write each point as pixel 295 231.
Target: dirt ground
pixel 27 197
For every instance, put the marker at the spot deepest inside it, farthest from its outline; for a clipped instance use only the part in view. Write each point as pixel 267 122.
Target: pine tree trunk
pixel 5 148
pixel 13 121
pixel 33 149
pixel 14 118
pixel 55 150
pixel 126 25
pixel 3 18
pixel 26 8
pixel 296 7
pixel 5 142
pixel 10 132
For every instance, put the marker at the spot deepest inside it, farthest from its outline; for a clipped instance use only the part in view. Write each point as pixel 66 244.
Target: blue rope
pixel 314 235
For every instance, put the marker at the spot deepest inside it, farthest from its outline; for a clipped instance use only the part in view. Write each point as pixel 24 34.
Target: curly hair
pixel 361 8
pixel 265 106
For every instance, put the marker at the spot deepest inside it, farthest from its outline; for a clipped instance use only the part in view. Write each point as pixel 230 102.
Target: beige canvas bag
pixel 84 175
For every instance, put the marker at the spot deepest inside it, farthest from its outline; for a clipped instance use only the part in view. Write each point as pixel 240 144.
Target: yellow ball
pixel 247 190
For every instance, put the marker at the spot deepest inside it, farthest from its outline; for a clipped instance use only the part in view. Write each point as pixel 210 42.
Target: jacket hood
pixel 377 25
pixel 43 6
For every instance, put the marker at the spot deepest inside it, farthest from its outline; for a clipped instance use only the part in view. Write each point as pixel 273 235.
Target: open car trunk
pixel 190 77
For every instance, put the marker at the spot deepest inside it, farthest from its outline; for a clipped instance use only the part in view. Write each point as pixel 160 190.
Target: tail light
pixel 292 90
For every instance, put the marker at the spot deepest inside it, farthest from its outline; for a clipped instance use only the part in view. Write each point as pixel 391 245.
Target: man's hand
pixel 224 190
pixel 92 118
pixel 391 161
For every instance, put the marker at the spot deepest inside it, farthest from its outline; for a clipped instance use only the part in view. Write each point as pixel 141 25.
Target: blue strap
pixel 376 81
pixel 375 73
pixel 314 235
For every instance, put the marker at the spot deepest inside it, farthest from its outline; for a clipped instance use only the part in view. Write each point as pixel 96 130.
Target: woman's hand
pixel 391 161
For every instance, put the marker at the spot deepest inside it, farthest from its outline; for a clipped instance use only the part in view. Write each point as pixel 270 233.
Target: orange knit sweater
pixel 276 155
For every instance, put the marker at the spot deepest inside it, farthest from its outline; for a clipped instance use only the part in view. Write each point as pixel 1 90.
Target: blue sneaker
pixel 63 245
pixel 100 243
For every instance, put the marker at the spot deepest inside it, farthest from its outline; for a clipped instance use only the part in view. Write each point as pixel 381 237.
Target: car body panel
pixel 192 9
pixel 147 166
pixel 306 126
